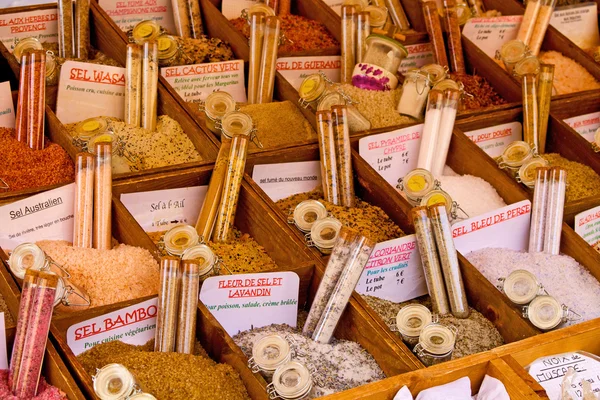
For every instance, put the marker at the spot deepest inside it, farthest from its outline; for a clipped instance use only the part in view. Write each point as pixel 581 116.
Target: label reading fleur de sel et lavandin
pixel 135 324
pixel 295 69
pixel 587 225
pixel 586 125
pixel 160 210
pixel 489 34
pixel 282 180
pixel 196 82
pixel 392 154
pixel 394 271
pixel 495 139
pixel 127 13
pixel 7 112
pixel 240 302
pixel 40 24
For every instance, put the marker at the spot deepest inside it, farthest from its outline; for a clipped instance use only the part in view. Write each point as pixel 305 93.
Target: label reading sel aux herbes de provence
pixel 40 24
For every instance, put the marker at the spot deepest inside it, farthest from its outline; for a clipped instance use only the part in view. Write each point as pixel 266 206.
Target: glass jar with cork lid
pixel 323 234
pixel 291 381
pixel 115 382
pixel 415 89
pixel 410 321
pixel 416 184
pixel 378 15
pixel 208 262
pixel 511 53
pixel 145 31
pixel 238 123
pixel 377 70
pixel 180 238
pixel 436 73
pixel 436 344
pixel 168 51
pixel 356 121
pixel 520 286
pixel 514 156
pixel 527 172
pixel 306 213
pixel 215 107
pixel 312 89
pixel 122 161
pixel 268 354
pixel 546 313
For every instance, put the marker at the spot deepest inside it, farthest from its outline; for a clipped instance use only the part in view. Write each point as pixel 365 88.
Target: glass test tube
pixel 285 8
pixel 451 99
pixel 195 18
pixel 149 85
pixel 82 26
pixel 434 30
pixel 133 85
pixel 21 111
pixel 538 210
pixel 363 29
pixel 431 128
pixel 544 96
pixel 181 17
pixel 327 150
pixel 168 298
pixel 208 212
pixel 65 28
pixel 348 43
pixel 36 100
pixel 188 306
pixel 102 237
pixel 528 23
pixel 449 260
pixel 343 155
pixel 257 33
pixel 36 335
pixel 268 61
pixel 429 258
pixel 530 111
pixel 339 256
pixel 231 187
pixel 360 252
pixel 556 204
pixel 397 14
pixel 455 52
pixel 84 200
pixel 541 25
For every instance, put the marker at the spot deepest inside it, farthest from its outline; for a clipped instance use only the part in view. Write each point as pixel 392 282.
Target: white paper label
pixel 7 112
pixel 240 302
pixel 392 154
pixel 295 69
pixel 587 225
pixel 495 139
pixel 394 271
pixel 282 180
pixel 579 23
pixel 3 355
pixel 160 210
pixel 44 216
pixel 40 24
pixel 127 13
pixel 336 5
pixel 507 228
pixel 550 371
pixel 232 9
pixel 418 56
pixel 196 82
pixel 88 90
pixel 489 34
pixel 135 324
pixel 586 125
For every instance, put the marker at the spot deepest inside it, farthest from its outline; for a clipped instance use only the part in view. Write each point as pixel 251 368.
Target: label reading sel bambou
pixel 44 216
pixel 88 90
pixel 394 271
pixel 418 56
pixel 586 125
pixel 507 227
pixel 127 13
pixel 196 82
pixel 7 112
pixel 495 139
pixel 160 210
pixel 587 225
pixel 135 324
pixel 579 23
pixel 40 24
pixel 392 154
pixel 295 69
pixel 282 180
pixel 489 34
pixel 241 302
pixel 233 8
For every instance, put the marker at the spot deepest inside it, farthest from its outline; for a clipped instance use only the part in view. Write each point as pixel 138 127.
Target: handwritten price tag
pixel 495 139
pixel 127 13
pixel 489 34
pixel 40 24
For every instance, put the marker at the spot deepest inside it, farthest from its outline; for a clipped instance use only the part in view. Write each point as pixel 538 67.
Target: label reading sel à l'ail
pixel 160 210
pixel 392 154
pixel 495 139
pixel 196 82
pixel 7 112
pixel 135 324
pixel 586 125
pixel 394 271
pixel 40 24
pixel 489 34
pixel 579 23
pixel 87 90
pixel 587 225
pixel 295 69
pixel 282 180
pixel 507 227
pixel 240 302
pixel 44 216
pixel 127 13
pixel 418 56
